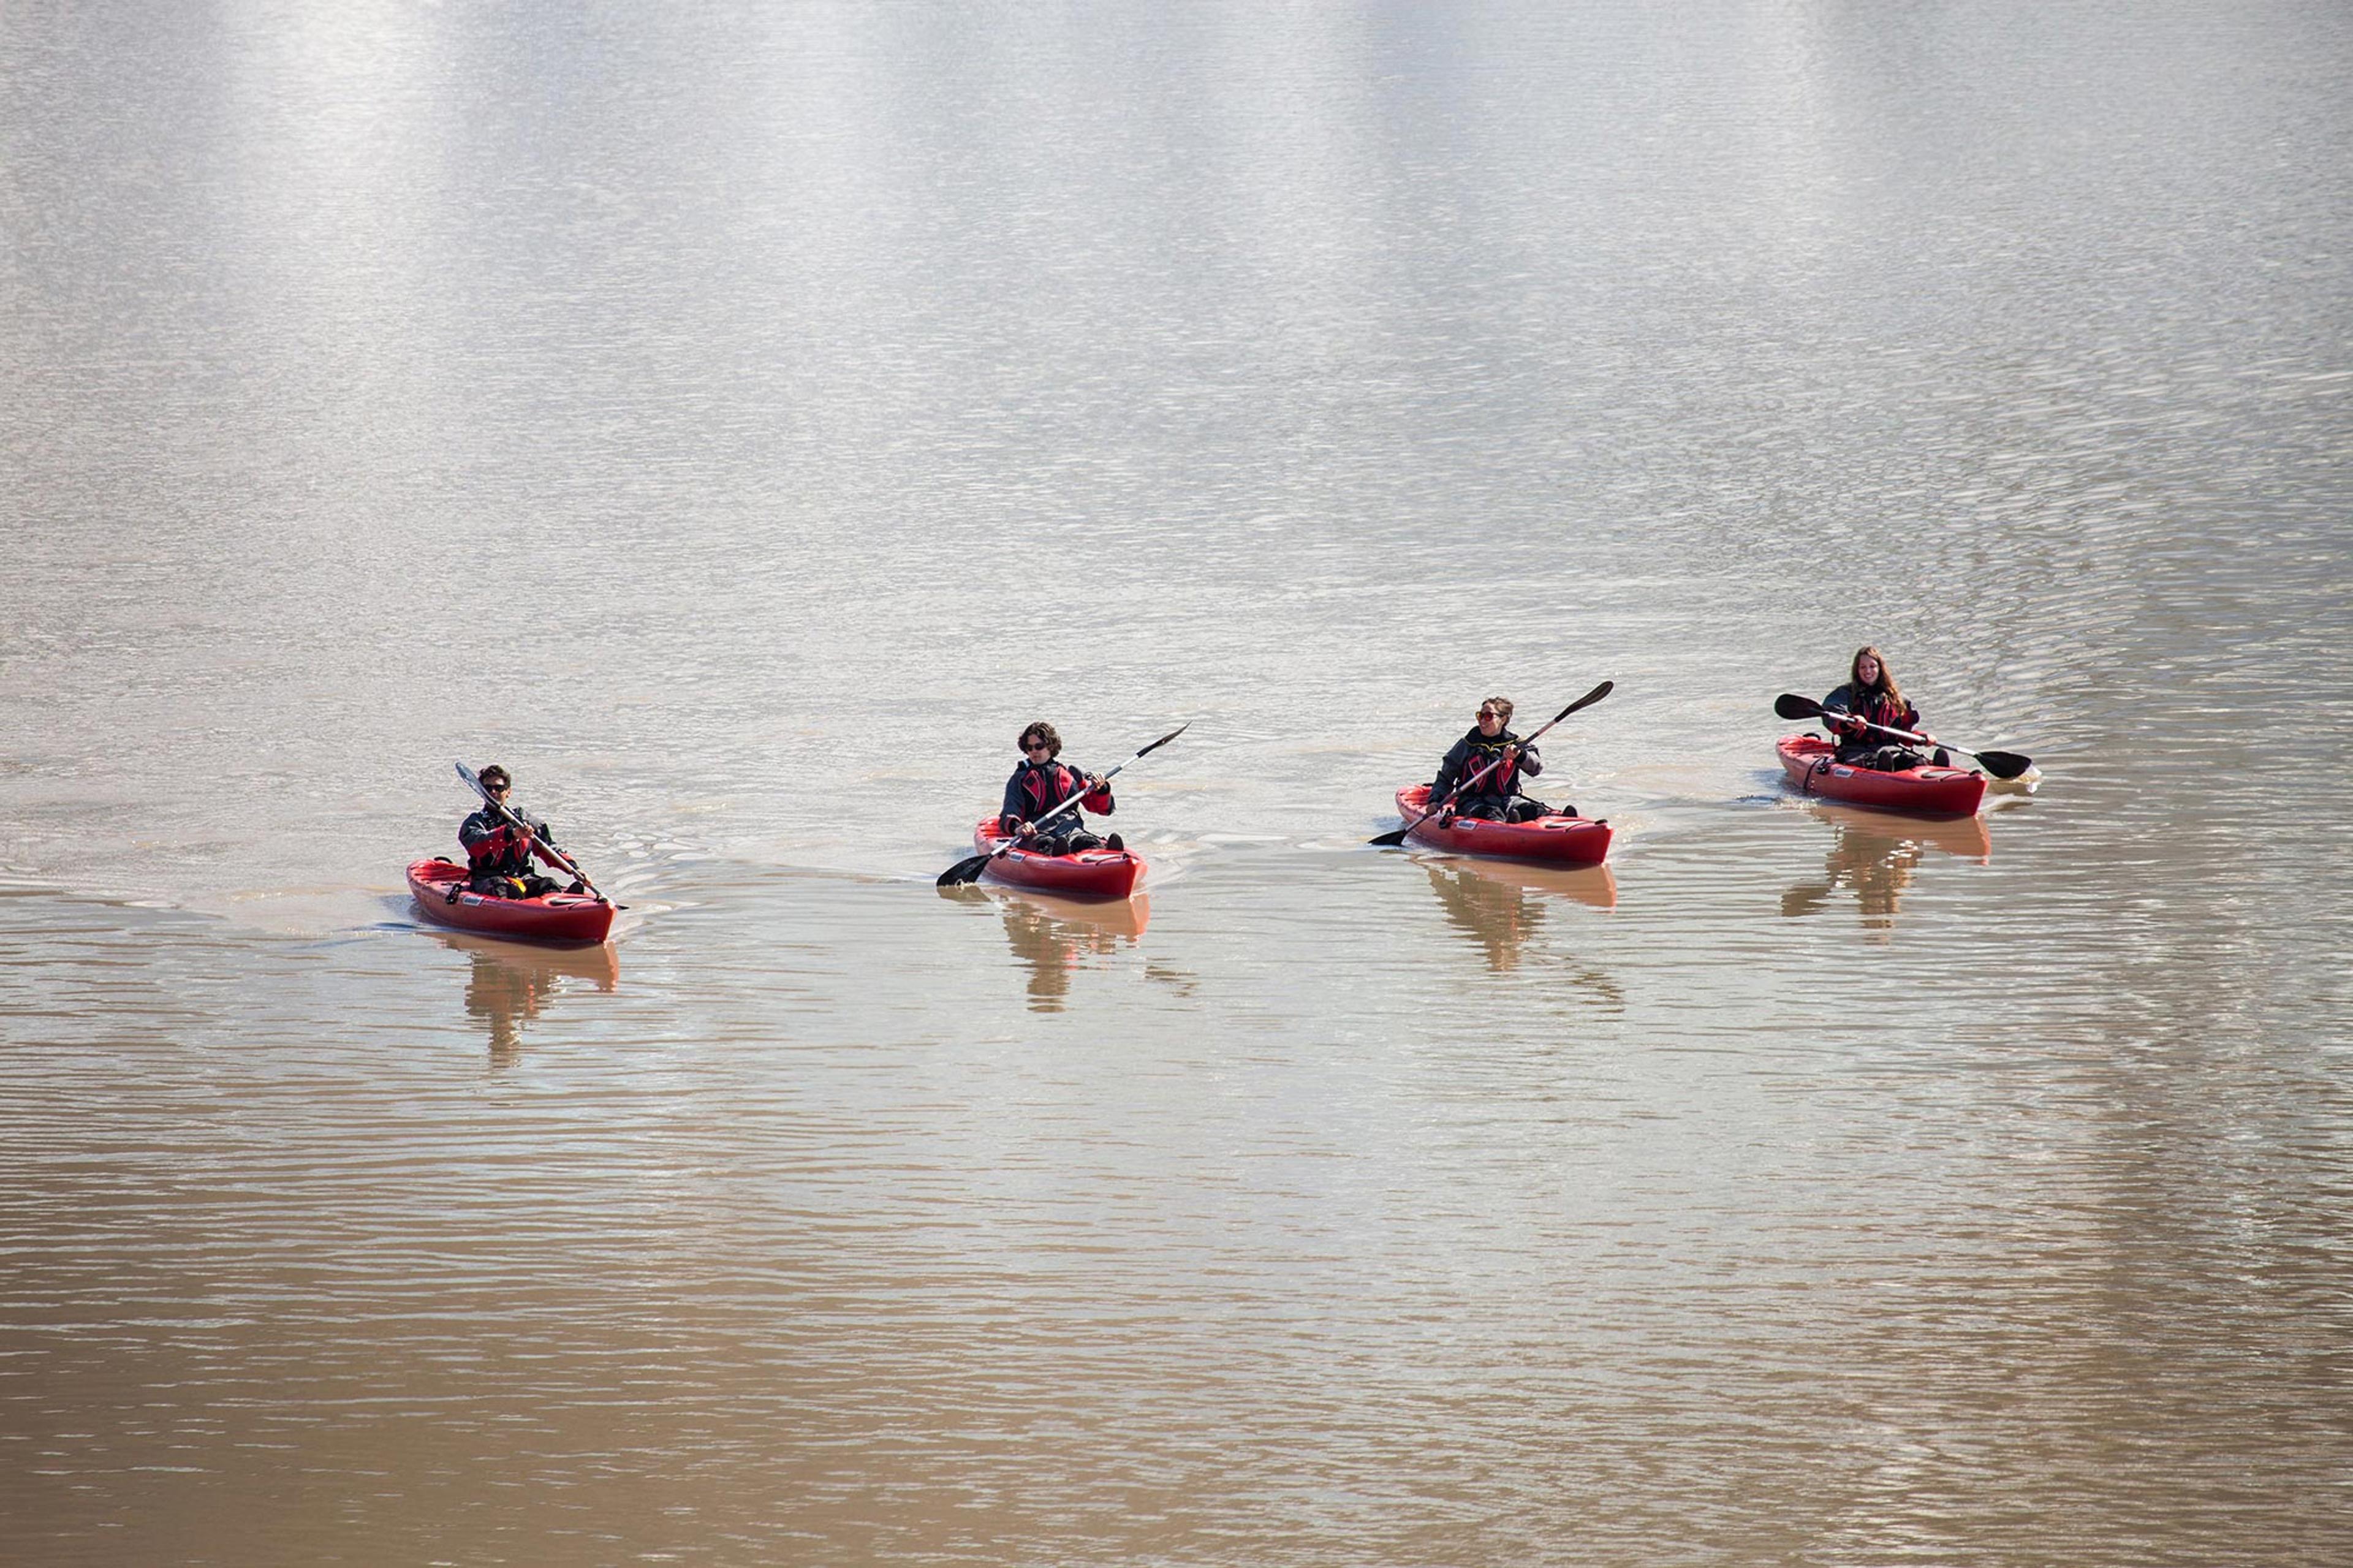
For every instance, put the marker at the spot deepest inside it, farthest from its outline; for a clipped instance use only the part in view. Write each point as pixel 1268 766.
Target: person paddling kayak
pixel 498 853
pixel 1496 798
pixel 1872 694
pixel 1042 782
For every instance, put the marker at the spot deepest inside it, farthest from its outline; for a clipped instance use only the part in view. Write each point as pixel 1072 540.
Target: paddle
pixel 970 868
pixel 2001 764
pixel 545 850
pixel 1391 840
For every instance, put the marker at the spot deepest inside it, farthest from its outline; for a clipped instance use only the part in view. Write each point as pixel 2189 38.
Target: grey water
pixel 741 420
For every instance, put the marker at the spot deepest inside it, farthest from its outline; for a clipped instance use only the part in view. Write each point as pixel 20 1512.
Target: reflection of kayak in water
pixel 1118 917
pixel 1860 827
pixel 601 963
pixel 1593 886
pixel 1112 917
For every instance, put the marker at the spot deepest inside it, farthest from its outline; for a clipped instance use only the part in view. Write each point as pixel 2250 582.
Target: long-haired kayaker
pixel 1496 798
pixel 498 853
pixel 1872 694
pixel 1041 782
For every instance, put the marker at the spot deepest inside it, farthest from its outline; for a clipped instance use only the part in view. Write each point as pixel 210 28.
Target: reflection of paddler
pixel 1501 902
pixel 1495 914
pixel 512 981
pixel 1878 855
pixel 1051 935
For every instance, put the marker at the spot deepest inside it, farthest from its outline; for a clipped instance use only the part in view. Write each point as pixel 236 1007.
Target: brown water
pixel 740 423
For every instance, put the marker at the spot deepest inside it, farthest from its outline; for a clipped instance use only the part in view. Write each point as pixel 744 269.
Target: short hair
pixel 493 773
pixel 1045 732
pixel 1502 707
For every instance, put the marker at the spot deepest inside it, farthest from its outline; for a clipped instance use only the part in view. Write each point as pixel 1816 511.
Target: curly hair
pixel 1045 732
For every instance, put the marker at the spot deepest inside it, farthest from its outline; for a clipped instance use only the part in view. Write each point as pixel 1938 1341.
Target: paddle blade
pixel 1588 700
pixel 1165 738
pixel 1387 841
pixel 1788 705
pixel 2004 765
pixel 966 870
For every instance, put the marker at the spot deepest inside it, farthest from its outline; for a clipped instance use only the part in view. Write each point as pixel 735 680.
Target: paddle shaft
pixel 539 845
pixel 1590 698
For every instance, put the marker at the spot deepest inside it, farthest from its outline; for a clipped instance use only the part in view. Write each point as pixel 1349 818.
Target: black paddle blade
pixel 2004 765
pixel 1588 700
pixel 966 870
pixel 1165 738
pixel 1790 705
pixel 1388 840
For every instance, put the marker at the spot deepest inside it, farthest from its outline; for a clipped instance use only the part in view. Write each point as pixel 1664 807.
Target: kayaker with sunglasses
pixel 1871 696
pixel 1496 798
pixel 1043 782
pixel 498 853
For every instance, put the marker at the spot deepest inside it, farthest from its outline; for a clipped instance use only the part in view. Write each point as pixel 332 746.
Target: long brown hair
pixel 1886 687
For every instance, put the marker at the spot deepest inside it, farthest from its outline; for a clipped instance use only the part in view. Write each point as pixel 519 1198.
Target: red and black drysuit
pixel 498 856
pixel 1496 798
pixel 1862 748
pixel 1036 788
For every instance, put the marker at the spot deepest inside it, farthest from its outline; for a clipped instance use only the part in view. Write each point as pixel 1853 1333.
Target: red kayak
pixel 551 917
pixel 1556 840
pixel 1088 874
pixel 1813 766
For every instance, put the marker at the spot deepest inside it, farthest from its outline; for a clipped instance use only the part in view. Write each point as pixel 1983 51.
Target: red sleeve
pixel 491 846
pixel 1099 801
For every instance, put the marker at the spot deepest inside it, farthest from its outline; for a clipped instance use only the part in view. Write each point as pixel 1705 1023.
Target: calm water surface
pixel 740 423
